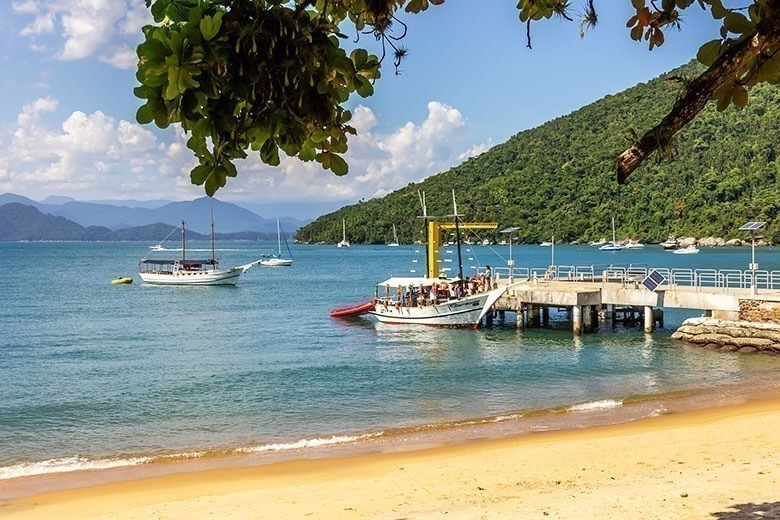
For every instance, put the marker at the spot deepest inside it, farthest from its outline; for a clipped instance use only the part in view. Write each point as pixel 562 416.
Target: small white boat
pixel 184 271
pixel 157 247
pixel 394 243
pixel 634 245
pixel 690 250
pixel 670 243
pixel 344 242
pixel 277 260
pixel 545 244
pixel 612 246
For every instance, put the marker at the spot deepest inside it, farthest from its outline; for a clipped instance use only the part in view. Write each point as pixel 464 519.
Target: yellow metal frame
pixel 434 240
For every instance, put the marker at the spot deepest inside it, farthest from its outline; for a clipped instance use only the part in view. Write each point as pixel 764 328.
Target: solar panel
pixel 653 280
pixel 752 226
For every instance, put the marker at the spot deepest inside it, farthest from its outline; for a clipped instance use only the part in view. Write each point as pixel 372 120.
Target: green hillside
pixel 558 178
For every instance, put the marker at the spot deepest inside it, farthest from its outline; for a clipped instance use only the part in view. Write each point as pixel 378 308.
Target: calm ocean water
pixel 95 375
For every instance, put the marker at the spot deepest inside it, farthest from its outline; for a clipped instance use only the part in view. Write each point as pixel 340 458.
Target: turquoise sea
pixel 94 375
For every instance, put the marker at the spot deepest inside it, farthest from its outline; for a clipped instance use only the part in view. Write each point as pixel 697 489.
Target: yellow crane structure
pixel 434 241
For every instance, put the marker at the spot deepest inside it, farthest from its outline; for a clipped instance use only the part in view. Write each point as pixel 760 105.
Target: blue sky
pixel 67 113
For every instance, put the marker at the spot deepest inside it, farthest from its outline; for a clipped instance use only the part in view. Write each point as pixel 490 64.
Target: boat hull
pixel 466 312
pixel 276 262
pixel 229 277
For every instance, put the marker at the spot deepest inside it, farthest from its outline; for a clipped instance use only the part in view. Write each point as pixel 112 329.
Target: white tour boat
pixel 634 245
pixel 344 242
pixel 183 271
pixel 277 260
pixel 433 300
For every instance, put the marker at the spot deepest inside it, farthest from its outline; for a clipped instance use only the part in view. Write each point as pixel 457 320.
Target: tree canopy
pixel 270 75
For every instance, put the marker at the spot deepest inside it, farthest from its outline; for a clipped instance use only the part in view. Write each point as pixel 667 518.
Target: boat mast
pixel 213 256
pixel 183 251
pixel 421 196
pixel 278 237
pixel 457 240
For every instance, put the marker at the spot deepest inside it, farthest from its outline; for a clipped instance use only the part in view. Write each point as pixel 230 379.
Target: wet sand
pixel 714 463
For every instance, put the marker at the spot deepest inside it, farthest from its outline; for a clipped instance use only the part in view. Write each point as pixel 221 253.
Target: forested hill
pixel 559 178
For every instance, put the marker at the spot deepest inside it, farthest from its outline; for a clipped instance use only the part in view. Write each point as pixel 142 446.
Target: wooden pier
pixel 586 298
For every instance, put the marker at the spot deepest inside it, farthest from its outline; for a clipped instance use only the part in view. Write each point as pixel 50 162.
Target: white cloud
pixel 477 149
pixel 95 156
pixel 103 29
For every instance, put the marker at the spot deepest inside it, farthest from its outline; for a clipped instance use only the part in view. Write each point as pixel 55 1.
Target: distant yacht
pixel 634 245
pixel 690 250
pixel 344 242
pixel 612 246
pixel 394 243
pixel 277 260
pixel 670 243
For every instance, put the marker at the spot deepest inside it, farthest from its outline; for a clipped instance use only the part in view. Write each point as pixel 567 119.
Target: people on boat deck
pixel 421 295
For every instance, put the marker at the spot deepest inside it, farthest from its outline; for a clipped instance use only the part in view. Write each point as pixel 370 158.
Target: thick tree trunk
pixel 699 92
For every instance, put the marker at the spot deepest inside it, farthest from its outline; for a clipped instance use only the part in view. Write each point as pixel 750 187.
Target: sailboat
pixel 183 271
pixel 344 242
pixel 612 246
pixel 394 243
pixel 432 300
pixel 277 260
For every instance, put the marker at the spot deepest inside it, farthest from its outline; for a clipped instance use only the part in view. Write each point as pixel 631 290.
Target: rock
pixel 686 329
pixel 729 348
pixel 687 241
pixel 767 334
pixel 707 242
pixel 752 342
pixel 762 243
pixel 748 350
pixel 720 339
pixel 712 346
pixel 679 335
pixel 734 242
pixel 719 242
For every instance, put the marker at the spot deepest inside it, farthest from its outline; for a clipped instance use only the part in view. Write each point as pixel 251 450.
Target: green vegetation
pixel 558 178
pixel 270 75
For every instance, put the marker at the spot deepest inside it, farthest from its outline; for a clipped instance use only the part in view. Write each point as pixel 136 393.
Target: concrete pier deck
pixel 532 298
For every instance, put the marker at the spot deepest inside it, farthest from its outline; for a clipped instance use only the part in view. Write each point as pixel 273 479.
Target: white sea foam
pixel 308 443
pixel 604 404
pixel 78 463
pixel 502 418
pixel 65 464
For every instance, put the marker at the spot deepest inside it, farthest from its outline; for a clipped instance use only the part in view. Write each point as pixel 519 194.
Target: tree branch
pixel 700 91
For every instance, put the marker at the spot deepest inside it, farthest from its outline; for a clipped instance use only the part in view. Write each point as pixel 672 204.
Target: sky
pixel 67 110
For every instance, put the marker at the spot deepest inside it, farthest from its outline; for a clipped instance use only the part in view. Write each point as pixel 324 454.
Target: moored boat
pixel 121 280
pixel 690 250
pixel 613 246
pixel 344 242
pixel 433 300
pixel 277 260
pixel 670 243
pixel 183 271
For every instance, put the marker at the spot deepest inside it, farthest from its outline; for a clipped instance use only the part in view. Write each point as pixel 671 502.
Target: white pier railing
pixel 674 277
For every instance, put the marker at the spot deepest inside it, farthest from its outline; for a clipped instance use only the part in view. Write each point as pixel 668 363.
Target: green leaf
pixel 144 114
pixel 724 97
pixel 737 23
pixel 739 96
pixel 199 174
pixel 212 185
pixel 364 87
pixel 210 25
pixel 338 165
pixel 638 4
pixel 709 52
pixel 269 153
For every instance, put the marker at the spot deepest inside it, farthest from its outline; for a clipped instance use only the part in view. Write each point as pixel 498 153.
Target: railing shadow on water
pixel 750 511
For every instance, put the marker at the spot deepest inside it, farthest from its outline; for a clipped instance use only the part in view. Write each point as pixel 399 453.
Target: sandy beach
pixel 714 463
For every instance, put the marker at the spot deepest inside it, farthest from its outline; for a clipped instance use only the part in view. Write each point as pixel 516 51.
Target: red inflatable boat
pixel 354 310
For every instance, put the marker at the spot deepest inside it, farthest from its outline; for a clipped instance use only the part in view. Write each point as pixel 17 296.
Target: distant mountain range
pixel 20 222
pixel 118 215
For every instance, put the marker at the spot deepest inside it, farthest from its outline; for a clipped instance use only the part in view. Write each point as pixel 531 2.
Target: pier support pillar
pixel 594 316
pixel 534 318
pixel 649 318
pixel 587 319
pixel 545 315
pixel 576 318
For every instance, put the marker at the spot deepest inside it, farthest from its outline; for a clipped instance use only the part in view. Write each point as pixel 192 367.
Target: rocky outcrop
pixel 734 242
pixel 742 336
pixel 759 310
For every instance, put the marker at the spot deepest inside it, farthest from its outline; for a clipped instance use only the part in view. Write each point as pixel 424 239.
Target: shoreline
pixel 160 483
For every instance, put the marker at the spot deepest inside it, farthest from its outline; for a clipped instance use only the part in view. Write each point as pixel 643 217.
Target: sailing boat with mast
pixel 183 271
pixel 394 243
pixel 612 246
pixel 433 300
pixel 344 242
pixel 277 260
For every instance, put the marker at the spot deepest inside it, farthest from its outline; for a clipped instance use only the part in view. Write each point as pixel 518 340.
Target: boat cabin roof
pixel 406 281
pixel 211 261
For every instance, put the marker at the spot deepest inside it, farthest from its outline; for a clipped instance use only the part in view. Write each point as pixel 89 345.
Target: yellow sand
pixel 701 464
